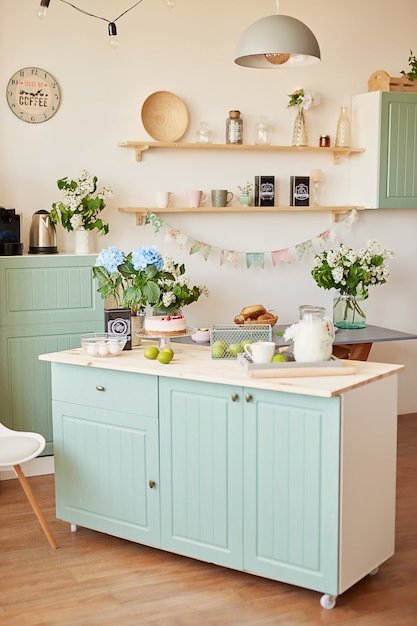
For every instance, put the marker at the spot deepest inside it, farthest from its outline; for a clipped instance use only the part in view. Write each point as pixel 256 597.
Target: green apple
pixel 218 349
pixel 235 348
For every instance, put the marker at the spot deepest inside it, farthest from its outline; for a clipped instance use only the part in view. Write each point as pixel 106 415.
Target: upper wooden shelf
pixel 335 210
pixel 143 146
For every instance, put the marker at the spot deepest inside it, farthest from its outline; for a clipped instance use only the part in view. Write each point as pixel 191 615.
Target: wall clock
pixel 33 95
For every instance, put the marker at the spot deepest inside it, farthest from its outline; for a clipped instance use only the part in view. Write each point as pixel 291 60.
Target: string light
pixel 42 11
pixel 112 29
pixel 114 42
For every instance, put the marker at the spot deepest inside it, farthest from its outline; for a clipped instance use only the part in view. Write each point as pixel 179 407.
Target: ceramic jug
pixel 314 336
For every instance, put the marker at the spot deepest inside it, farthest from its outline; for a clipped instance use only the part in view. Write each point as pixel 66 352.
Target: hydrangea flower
pixel 144 256
pixel 110 259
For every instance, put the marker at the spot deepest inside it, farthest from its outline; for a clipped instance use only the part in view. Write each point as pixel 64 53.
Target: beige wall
pixel 189 50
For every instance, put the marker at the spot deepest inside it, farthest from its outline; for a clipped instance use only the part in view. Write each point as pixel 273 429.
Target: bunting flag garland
pixel 306 247
pixel 255 258
pixel 282 256
pixel 299 250
pixel 199 246
pixel 230 256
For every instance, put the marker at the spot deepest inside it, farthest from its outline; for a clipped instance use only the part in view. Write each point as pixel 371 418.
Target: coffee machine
pixel 10 233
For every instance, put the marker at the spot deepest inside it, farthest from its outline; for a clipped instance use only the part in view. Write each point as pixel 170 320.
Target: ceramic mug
pixel 260 351
pixel 195 198
pixel 221 197
pixel 162 199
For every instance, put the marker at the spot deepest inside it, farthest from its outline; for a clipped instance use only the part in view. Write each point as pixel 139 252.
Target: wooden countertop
pixel 193 362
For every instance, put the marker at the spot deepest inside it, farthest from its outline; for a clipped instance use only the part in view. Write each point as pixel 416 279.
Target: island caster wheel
pixel 74 528
pixel 327 601
pixel 374 571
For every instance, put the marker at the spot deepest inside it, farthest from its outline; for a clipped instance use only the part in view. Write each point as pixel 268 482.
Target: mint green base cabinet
pixel 297 488
pixel 106 451
pixel 46 303
pixel 201 471
pixel 291 479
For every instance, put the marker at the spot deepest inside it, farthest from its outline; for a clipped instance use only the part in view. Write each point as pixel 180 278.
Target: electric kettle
pixel 42 234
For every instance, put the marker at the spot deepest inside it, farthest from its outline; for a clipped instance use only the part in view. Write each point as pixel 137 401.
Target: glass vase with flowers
pixel 351 274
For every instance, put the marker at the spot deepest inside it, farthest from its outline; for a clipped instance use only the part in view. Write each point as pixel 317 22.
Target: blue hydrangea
pixel 147 255
pixel 110 259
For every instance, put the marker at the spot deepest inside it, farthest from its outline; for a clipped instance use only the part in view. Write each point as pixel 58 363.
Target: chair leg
pixel 29 494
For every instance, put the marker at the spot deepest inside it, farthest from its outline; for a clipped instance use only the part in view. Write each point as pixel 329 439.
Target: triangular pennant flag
pixel 282 256
pixel 200 246
pixel 195 247
pixel 255 258
pixel 229 255
pixel 155 220
pixel 304 248
pixel 350 218
pixel 176 235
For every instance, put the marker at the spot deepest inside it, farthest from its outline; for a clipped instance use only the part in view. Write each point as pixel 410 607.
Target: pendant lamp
pixel 277 41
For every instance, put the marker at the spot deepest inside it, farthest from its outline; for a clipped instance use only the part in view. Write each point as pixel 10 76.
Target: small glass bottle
pixel 234 128
pixel 262 132
pixel 203 134
pixel 343 129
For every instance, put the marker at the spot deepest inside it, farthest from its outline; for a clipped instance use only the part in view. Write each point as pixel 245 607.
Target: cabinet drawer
pixel 106 389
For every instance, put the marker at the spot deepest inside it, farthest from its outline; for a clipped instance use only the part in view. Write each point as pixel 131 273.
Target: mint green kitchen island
pixel 292 479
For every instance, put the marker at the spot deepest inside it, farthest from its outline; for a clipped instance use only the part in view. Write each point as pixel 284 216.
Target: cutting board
pixel 292 369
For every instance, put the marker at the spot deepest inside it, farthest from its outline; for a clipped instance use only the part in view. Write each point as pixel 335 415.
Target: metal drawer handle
pixel 234 397
pixel 248 397
pixel 99 388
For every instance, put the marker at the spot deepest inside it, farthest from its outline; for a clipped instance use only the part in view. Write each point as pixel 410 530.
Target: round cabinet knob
pixel 248 397
pixel 99 388
pixel 234 397
pixel 151 484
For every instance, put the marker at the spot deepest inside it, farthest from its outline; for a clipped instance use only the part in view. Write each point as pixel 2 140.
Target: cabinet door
pixel 398 179
pixel 201 471
pixel 106 459
pixel 46 303
pixel 291 497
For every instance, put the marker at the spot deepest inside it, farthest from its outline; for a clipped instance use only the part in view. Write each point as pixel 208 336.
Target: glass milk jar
pixel 314 336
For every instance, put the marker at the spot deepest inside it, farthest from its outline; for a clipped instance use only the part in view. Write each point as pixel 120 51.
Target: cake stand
pixel 165 340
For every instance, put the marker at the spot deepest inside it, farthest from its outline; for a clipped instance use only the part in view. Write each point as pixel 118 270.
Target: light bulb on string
pixel 113 41
pixel 43 9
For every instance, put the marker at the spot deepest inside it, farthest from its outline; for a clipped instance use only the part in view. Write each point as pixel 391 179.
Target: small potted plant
pixel 245 197
pixel 79 209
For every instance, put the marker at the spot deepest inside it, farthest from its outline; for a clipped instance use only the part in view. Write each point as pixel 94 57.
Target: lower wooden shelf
pixel 335 211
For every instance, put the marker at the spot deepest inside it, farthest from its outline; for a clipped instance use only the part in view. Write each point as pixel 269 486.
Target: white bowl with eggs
pixel 103 344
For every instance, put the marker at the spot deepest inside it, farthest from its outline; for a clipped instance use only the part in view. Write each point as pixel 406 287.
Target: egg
pixel 103 349
pixel 114 348
pixel 92 349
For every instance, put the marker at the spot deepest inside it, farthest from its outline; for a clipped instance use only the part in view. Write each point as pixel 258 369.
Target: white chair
pixel 18 447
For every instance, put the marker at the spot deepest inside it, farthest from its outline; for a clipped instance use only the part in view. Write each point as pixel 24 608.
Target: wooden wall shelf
pixel 143 146
pixel 335 211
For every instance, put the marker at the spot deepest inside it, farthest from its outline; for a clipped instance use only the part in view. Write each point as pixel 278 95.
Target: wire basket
pixel 227 340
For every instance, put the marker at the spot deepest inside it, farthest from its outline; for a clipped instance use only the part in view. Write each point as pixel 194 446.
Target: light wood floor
pixel 94 579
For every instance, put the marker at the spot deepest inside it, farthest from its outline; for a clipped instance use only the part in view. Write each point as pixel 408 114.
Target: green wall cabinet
pixel 46 302
pixel 386 175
